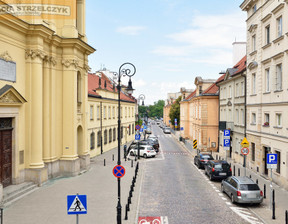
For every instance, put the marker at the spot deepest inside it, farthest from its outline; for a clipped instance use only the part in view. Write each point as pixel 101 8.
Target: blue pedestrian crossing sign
pixel 76 204
pixel 141 129
pixel 137 137
pixel 271 161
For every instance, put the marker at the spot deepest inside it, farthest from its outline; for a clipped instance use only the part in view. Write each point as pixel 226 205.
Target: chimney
pixel 239 51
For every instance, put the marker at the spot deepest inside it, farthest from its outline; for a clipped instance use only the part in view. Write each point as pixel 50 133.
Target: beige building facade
pixel 43 94
pixel 267 84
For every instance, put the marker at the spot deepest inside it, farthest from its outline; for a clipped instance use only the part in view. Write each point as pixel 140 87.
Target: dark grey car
pixel 242 190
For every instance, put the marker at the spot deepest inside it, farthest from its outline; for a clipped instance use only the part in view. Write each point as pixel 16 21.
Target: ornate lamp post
pixel 126 69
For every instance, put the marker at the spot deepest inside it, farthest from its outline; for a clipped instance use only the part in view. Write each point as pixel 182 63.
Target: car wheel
pixel 232 199
pixel 222 188
pixel 145 156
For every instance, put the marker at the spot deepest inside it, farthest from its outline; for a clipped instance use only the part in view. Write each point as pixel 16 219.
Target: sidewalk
pixel 264 211
pixel 49 203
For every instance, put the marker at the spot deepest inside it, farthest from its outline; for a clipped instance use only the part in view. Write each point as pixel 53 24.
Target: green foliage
pixel 175 111
pixel 155 110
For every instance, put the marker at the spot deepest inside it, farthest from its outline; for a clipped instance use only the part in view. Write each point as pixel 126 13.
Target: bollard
pixel 113 157
pixel 126 213
pixel 256 181
pixel 129 200
pixel 1 210
pixel 286 217
pixel 250 176
pixel 273 204
pixel 104 162
pixel 234 171
pixel 238 171
pixel 264 190
pixel 131 163
pixel 128 205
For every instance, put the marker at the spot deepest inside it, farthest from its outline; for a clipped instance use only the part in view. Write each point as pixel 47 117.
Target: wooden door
pixel 6 157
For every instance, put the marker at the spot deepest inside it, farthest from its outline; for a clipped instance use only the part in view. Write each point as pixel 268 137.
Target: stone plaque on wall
pixel 7 70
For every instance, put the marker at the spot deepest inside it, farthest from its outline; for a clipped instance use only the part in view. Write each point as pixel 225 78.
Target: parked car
pixel 151 142
pixel 144 150
pixel 201 159
pixel 218 169
pixel 167 130
pixel 148 130
pixel 242 190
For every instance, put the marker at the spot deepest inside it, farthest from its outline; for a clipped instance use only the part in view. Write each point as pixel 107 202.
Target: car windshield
pixel 218 166
pixel 207 157
pixel 249 187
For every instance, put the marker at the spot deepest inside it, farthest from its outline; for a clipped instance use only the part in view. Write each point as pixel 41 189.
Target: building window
pixel 237 90
pixel 266 119
pixel 104 112
pixel 279 77
pixel 253 119
pixel 278 161
pixel 114 134
pixel 267 34
pixel 199 111
pixel 133 129
pixel 279 26
pixel 254 8
pixel 253 151
pixel 79 96
pixel 230 92
pixel 92 140
pixel 91 112
pixel 253 43
pixel 242 117
pixel 109 112
pixel 113 112
pixel 105 137
pixel 98 138
pixel 237 116
pixel 98 112
pixel 267 80
pixel 110 135
pixel 242 89
pixel 278 120
pixel 121 132
pixel 253 83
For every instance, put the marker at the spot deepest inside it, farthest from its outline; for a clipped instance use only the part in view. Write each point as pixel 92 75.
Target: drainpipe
pixel 101 138
pixel 245 103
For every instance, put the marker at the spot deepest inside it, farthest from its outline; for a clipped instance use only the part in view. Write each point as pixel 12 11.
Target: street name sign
pixel 271 161
pixel 76 204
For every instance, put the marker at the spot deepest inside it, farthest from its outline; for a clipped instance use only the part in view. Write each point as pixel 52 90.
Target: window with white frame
pixel 266 119
pixel 199 111
pixel 279 26
pixel 91 112
pixel 221 93
pixel 113 112
pixel 109 112
pixel 104 112
pixel 279 77
pixel 267 34
pixel 230 92
pixel 267 80
pixel 98 112
pixel 253 43
pixel 237 90
pixel 237 116
pixel 242 89
pixel 278 120
pixel 242 117
pixel 253 118
pixel 253 84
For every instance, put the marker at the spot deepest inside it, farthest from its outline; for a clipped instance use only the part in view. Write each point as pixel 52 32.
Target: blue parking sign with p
pixel 271 158
pixel 226 142
pixel 226 132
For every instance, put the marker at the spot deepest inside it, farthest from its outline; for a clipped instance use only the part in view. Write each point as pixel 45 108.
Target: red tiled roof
pixel 221 78
pixel 191 95
pixel 93 86
pixel 213 89
pixel 241 65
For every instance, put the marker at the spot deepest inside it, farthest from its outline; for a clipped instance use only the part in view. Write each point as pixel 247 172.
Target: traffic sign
pixel 149 220
pixel 76 204
pixel 245 151
pixel 119 171
pixel 226 134
pixel 137 127
pixel 137 137
pixel 245 143
pixel 181 129
pixel 271 161
pixel 141 129
pixel 195 144
pixel 145 127
pixel 226 142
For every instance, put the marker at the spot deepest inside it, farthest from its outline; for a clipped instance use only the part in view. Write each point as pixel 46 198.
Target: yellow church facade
pixel 44 110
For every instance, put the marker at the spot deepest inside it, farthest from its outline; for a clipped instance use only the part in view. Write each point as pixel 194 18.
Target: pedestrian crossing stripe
pixel 76 204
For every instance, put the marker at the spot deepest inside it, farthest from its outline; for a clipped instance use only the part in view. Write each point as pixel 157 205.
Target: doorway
pixel 266 151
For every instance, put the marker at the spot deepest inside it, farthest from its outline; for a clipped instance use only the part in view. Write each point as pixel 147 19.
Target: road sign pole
pixel 77 219
pixel 244 165
pixel 271 189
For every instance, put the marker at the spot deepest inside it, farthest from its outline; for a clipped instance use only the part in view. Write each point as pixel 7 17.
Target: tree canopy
pixel 175 111
pixel 155 110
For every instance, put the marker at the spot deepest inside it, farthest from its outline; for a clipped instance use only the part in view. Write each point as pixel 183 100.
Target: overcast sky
pixel 169 41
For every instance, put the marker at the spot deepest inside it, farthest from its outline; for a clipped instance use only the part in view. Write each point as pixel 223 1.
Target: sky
pixel 170 42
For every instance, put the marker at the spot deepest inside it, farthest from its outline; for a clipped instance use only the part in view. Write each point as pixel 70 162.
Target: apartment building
pixel 232 109
pixel 267 85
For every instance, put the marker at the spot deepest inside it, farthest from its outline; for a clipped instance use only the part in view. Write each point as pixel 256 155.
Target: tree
pixel 175 111
pixel 155 110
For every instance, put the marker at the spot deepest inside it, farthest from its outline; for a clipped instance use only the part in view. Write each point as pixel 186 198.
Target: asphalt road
pixel 173 187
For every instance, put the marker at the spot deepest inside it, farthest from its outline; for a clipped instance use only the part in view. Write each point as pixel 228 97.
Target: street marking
pixel 244 214
pixel 225 199
pixel 221 194
pixel 228 203
pixel 217 191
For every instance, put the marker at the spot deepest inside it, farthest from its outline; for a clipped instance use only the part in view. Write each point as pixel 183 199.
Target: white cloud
pixel 130 30
pixel 139 83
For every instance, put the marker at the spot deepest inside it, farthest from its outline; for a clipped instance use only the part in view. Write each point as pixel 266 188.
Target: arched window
pixel 110 135
pixel 92 140
pixel 105 137
pixel 98 138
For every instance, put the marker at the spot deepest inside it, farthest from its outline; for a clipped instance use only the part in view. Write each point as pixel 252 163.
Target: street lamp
pixel 141 97
pixel 126 69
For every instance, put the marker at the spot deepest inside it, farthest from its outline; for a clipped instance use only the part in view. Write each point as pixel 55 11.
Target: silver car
pixel 242 190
